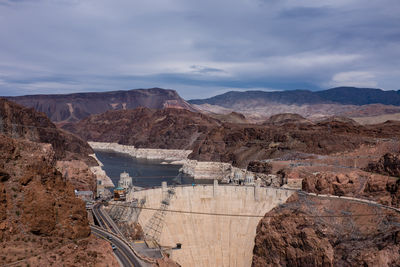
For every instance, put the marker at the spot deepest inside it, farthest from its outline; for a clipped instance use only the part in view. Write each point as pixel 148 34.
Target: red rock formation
pixel 41 220
pixel 71 151
pixel 297 234
pixel 260 167
pixel 20 122
pixel 78 174
pixel 389 164
pixel 383 189
pixel 34 193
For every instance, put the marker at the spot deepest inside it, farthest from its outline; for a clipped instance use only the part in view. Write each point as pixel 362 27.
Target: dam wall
pixel 213 239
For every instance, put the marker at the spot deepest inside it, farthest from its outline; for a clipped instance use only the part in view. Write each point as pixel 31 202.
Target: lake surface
pixel 145 172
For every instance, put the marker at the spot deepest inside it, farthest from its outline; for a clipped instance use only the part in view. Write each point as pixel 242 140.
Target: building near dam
pixel 125 181
pixel 215 224
pixel 124 186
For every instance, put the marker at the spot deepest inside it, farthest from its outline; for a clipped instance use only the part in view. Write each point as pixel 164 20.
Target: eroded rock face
pixel 339 184
pixel 78 174
pixel 259 167
pixel 389 164
pixel 383 189
pixel 72 152
pixel 42 223
pixel 26 123
pixel 35 198
pixel 297 234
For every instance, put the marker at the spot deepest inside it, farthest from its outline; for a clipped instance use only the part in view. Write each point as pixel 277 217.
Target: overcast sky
pixel 199 48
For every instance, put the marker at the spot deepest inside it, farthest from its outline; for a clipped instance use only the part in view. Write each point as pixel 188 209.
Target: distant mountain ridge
pixel 256 106
pixel 338 95
pixel 74 107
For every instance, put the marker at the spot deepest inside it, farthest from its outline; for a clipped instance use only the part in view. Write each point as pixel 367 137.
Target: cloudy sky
pixel 200 48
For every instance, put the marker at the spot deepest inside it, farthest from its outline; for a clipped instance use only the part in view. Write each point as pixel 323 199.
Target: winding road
pixel 109 231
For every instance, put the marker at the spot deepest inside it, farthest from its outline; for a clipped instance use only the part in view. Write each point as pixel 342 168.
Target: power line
pixel 246 215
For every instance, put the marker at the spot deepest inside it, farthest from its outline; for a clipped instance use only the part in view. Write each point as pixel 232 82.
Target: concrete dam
pixel 212 223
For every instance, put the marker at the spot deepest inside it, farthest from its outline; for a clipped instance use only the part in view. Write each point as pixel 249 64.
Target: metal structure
pixel 153 228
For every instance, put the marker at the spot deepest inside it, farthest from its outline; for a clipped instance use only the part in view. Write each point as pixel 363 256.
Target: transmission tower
pixel 153 228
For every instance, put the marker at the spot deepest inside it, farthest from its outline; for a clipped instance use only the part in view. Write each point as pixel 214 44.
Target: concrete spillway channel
pixel 210 237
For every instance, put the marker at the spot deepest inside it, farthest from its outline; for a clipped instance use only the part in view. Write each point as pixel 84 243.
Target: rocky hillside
pixel 388 164
pixel 39 213
pixel 310 231
pixel 74 107
pixel 71 152
pixel 237 143
pixel 146 128
pixel 286 118
pixel 19 122
pixel 379 188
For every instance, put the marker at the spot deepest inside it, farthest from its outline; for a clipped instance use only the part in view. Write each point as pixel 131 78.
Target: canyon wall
pixel 313 231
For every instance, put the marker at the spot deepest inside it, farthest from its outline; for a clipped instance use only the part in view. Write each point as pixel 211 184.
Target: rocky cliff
pixel 74 107
pixel 39 213
pixel 71 152
pixel 19 122
pixel 310 231
pixel 388 164
pixel 380 188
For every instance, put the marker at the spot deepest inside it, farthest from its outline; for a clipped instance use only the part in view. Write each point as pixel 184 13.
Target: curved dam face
pixel 211 240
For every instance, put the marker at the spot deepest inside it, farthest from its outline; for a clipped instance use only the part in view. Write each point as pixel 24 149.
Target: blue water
pixel 145 173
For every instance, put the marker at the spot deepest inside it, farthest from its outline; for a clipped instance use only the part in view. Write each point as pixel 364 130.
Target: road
pixel 104 220
pixel 108 228
pixel 123 251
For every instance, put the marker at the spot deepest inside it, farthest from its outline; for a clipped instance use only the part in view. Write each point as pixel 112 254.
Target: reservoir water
pixel 145 172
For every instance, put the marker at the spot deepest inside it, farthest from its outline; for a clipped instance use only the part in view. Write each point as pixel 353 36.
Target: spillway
pixel 211 240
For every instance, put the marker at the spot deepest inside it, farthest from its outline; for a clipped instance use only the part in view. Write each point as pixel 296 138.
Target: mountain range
pixel 338 95
pixel 74 107
pixel 256 106
pixel 353 102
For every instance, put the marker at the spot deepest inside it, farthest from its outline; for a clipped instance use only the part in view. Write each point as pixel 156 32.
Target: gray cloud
pixel 197 47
